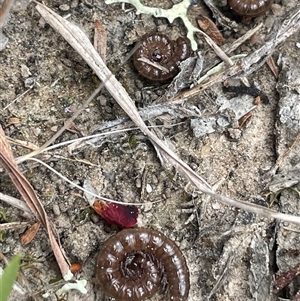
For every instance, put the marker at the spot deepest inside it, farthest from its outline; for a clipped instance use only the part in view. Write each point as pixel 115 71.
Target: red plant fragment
pixel 117 214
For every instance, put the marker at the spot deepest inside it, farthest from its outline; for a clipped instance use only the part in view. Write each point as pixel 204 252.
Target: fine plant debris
pixel 82 45
pixel 186 158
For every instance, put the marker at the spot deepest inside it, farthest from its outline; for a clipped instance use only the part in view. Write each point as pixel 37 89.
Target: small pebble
pixel 25 71
pixel 154 180
pixel 102 100
pixel 3 41
pixel 269 22
pixel 29 82
pixel 138 95
pixel 277 10
pixel 37 131
pixel 138 183
pixel 216 205
pixel 74 3
pixel 148 188
pixel 235 133
pixel 56 209
pixel 64 7
pixel 95 218
pixel 139 84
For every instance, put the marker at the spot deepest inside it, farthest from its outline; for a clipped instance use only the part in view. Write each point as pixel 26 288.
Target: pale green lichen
pixel 77 285
pixel 68 276
pixel 177 11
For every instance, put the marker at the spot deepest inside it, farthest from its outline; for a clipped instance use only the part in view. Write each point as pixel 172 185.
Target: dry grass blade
pixel 29 195
pixel 21 183
pixel 82 45
pixel 13 225
pixel 16 203
pixel 4 11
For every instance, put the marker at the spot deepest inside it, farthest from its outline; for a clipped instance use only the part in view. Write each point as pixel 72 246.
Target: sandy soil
pixel 231 254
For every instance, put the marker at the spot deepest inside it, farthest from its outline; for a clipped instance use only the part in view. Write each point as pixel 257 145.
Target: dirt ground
pixel 231 254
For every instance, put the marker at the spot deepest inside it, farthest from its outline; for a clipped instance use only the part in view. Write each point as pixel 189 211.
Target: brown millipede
pixel 250 8
pixel 135 263
pixel 157 57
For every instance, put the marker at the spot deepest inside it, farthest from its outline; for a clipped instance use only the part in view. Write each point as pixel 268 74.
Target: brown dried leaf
pixel 244 119
pixel 4 11
pixel 71 127
pixel 210 28
pixel 30 233
pixel 13 120
pixel 272 65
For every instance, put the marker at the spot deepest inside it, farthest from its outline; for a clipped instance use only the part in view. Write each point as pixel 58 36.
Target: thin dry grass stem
pixel 61 130
pixel 220 282
pixel 16 99
pixel 78 142
pixel 221 54
pixel 15 203
pixel 81 188
pixel 238 42
pixel 218 51
pixel 22 143
pixel 82 45
pixel 3 258
pixel 220 18
pixel 13 225
pixel 21 159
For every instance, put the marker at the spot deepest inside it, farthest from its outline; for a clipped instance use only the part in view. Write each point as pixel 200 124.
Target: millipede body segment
pixel 157 57
pixel 250 8
pixel 135 263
